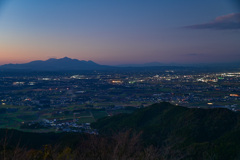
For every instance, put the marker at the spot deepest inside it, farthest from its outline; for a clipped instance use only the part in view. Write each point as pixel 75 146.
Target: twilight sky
pixel 120 31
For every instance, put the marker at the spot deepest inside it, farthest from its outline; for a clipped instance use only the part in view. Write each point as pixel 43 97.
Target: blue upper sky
pixel 120 31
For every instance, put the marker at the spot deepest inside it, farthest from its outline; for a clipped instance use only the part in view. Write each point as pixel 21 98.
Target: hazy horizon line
pixel 129 63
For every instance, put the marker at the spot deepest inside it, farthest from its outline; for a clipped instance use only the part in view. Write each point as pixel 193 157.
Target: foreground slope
pixel 160 131
pixel 194 132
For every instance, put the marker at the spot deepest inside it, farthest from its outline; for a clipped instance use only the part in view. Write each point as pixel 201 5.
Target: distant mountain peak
pixel 66 58
pixel 54 64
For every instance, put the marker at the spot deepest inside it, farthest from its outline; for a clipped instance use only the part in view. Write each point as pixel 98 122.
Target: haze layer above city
pixel 120 32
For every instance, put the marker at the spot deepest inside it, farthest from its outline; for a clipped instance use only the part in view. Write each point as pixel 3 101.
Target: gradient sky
pixel 120 31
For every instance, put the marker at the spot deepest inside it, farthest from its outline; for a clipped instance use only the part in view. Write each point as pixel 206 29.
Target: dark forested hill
pixel 161 131
pixel 194 132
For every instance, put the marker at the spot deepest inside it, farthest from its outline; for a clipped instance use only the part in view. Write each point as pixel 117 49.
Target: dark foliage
pixel 161 131
pixel 196 133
